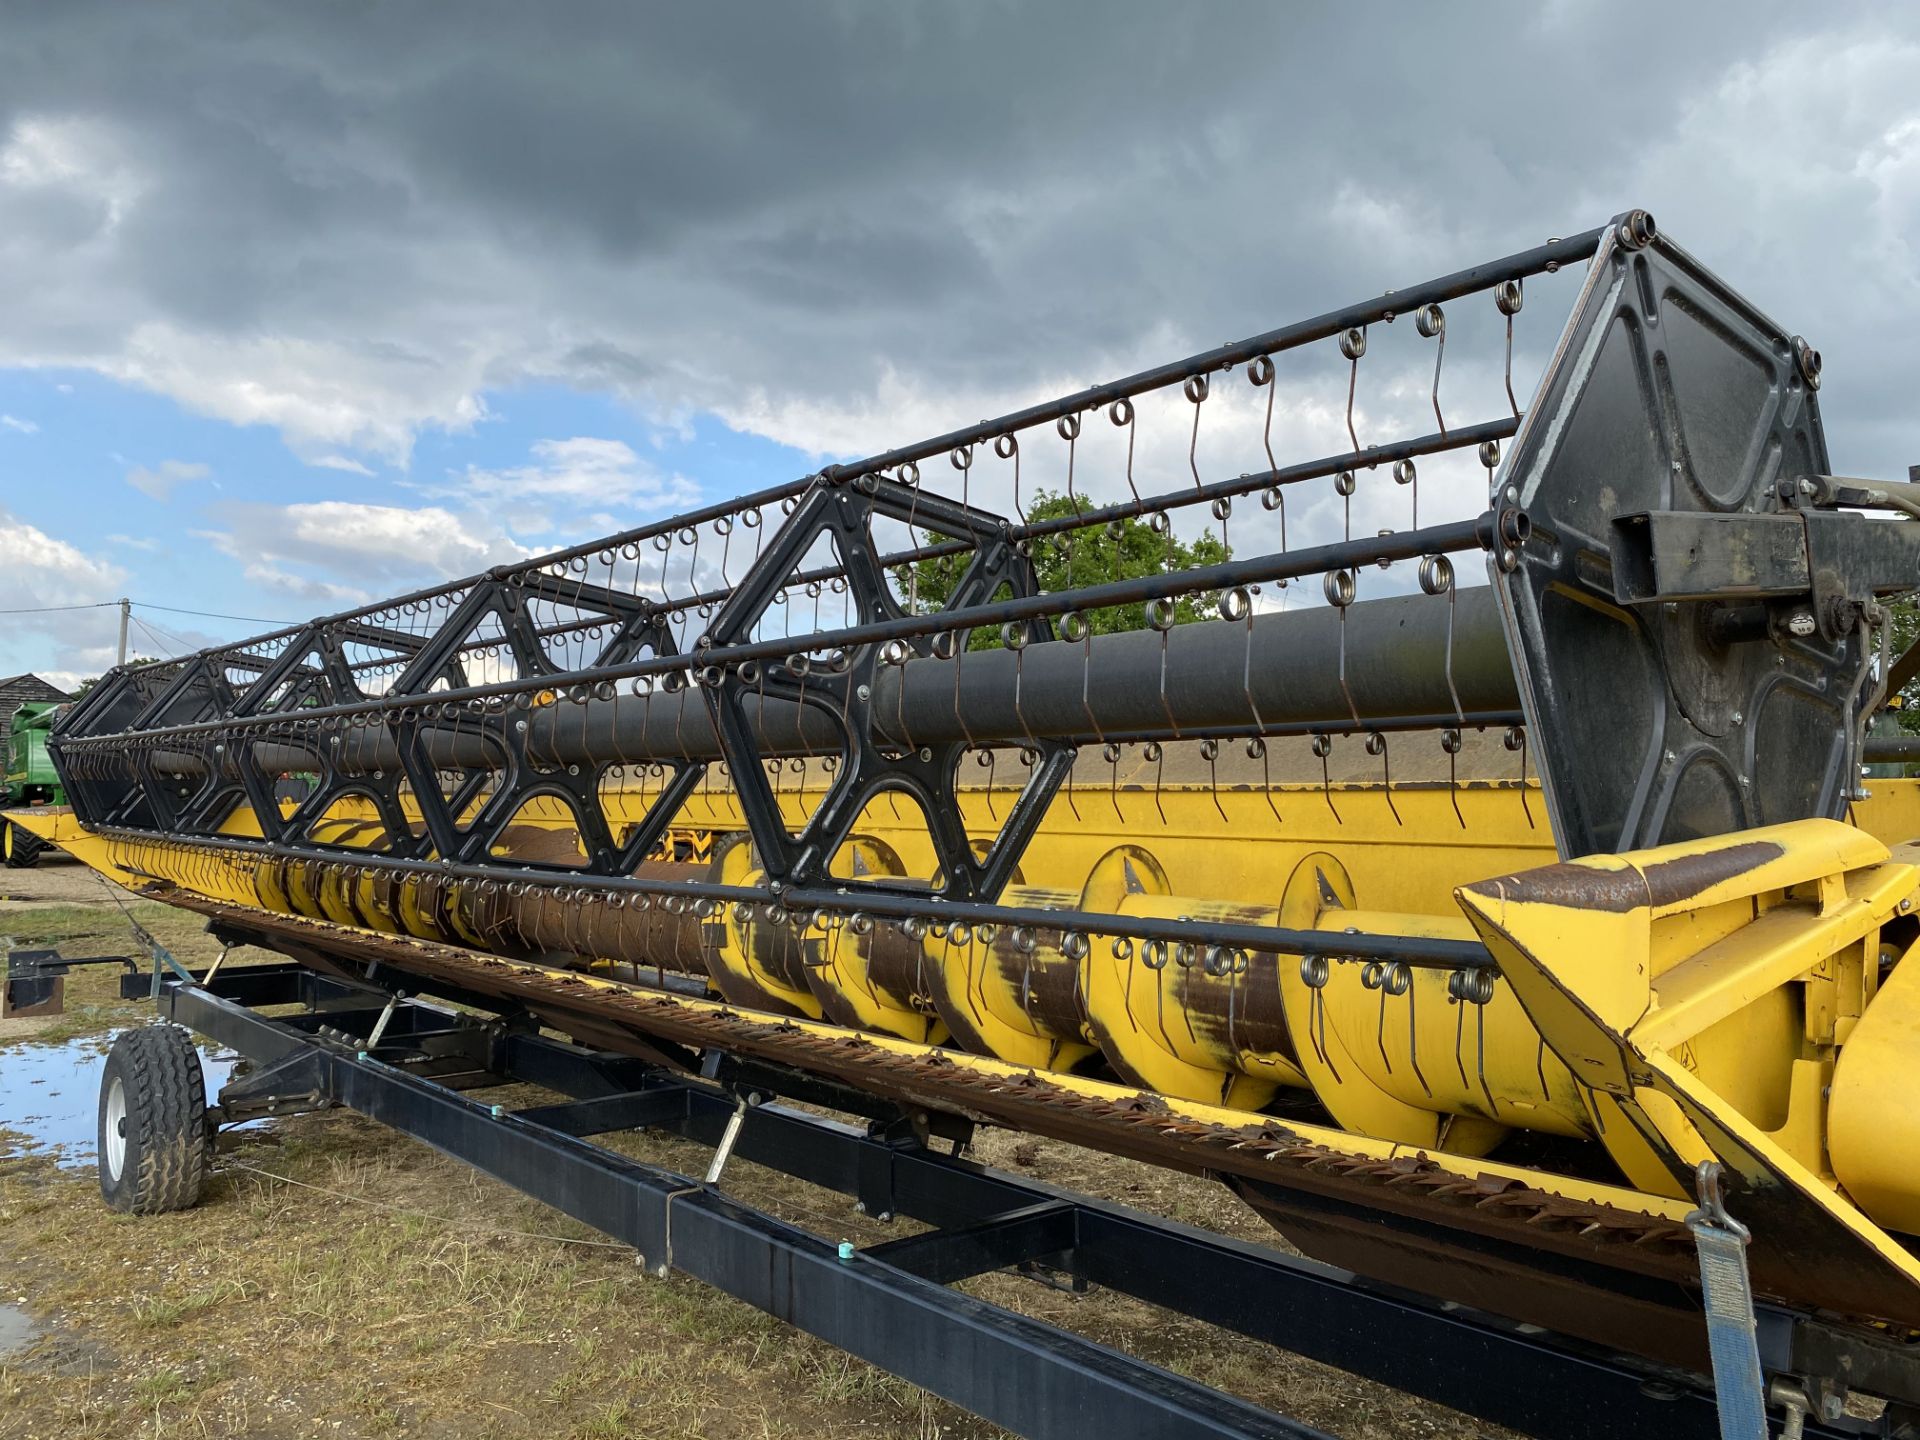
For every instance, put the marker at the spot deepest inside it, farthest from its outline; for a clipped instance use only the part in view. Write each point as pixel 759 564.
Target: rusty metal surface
pixel 1666 882
pixel 591 926
pixel 1045 981
pixel 1663 1317
pixel 1670 882
pixel 898 966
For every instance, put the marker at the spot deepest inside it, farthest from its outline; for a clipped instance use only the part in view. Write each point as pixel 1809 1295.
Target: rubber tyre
pixel 20 849
pixel 154 1145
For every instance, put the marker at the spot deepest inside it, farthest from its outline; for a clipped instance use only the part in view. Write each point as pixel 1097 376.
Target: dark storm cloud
pixel 348 220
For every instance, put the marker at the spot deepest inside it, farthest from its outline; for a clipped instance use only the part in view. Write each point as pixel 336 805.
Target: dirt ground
pixel 57 880
pixel 340 1280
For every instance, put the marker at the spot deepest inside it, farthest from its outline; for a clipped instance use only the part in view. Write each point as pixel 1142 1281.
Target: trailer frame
pixel 411 1065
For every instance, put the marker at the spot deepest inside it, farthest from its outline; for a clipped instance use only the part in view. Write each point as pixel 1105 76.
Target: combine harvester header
pixel 860 780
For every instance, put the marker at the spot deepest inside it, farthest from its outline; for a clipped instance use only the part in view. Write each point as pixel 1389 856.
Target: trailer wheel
pixel 154 1142
pixel 17 847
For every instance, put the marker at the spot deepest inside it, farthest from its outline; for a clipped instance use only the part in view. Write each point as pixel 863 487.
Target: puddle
pixel 51 1093
pixel 17 1331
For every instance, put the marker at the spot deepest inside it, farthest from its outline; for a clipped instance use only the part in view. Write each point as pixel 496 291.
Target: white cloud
pixel 14 422
pixel 158 482
pixel 899 405
pixel 332 554
pixel 318 594
pixel 319 393
pixel 134 542
pixel 78 155
pixel 1850 287
pixel 359 242
pixel 343 550
pixel 43 571
pixel 570 475
pixel 340 462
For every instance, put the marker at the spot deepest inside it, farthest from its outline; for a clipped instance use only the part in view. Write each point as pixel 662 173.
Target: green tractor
pixel 30 779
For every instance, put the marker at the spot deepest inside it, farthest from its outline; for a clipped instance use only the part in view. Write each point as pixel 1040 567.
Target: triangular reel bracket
pixel 841 689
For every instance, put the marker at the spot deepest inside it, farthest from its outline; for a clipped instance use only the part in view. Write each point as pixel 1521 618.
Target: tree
pixel 1906 631
pixel 1121 550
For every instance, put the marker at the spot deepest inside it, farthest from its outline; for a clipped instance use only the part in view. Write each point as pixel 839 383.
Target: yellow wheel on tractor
pixel 19 849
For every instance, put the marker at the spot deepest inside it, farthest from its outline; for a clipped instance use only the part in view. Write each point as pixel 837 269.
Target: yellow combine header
pixel 1516 944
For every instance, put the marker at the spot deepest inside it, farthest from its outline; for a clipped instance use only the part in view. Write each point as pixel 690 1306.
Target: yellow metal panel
pixel 1727 1064
pixel 1873 1126
pixel 1781 945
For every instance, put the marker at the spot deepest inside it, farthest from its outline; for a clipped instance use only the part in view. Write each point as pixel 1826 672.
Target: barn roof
pixel 16 690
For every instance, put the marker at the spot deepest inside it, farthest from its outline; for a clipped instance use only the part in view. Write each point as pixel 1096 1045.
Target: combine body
pixel 30 778
pixel 1453 926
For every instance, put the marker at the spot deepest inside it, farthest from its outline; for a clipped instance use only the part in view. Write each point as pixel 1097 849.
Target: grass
pixel 163 1312
pixel 161 1388
pixel 93 1004
pixel 39 925
pixel 382 1322
pixel 617 1419
pixel 36 926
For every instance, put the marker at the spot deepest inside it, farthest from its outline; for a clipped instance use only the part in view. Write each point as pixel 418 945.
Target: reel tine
pixel 1450 741
pixel 1380 1032
pixel 1413 1030
pixel 1210 749
pixel 1323 747
pixel 1516 740
pixel 1353 345
pixel 1377 745
pixel 1257 750
pixel 1480 1056
pixel 1509 296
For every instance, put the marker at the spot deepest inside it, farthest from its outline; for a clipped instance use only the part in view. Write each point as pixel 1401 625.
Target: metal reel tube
pixel 1395 666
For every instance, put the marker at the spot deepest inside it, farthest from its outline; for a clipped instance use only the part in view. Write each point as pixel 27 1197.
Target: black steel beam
pixel 34 964
pixel 634 1110
pixel 1044 1231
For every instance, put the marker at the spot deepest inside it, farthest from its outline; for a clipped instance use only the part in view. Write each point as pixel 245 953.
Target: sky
pixel 305 305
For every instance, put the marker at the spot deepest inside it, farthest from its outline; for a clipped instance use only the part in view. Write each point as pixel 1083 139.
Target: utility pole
pixel 126 612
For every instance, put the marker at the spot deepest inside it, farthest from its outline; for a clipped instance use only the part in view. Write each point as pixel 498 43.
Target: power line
pixel 146 605
pixel 211 614
pixel 159 644
pixel 156 629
